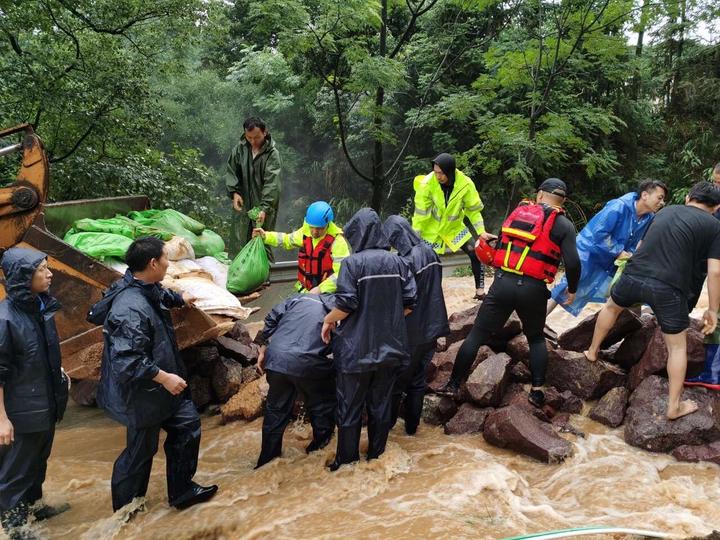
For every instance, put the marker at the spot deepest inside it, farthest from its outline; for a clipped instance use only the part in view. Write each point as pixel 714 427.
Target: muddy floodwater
pixel 428 486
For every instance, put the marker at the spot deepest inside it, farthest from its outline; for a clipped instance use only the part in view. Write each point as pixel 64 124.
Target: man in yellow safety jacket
pixel 443 200
pixel 322 247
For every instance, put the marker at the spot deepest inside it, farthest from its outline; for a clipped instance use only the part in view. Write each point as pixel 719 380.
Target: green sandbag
pixel 250 269
pixel 119 225
pixel 620 268
pixel 150 217
pixel 99 245
pixel 212 242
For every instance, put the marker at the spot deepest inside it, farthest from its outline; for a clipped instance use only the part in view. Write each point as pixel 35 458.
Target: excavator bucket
pixel 79 280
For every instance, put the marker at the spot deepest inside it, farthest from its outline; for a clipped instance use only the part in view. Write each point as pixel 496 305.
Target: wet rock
pixel 247 404
pixel 519 349
pixel 240 333
pixel 487 383
pixel 515 429
pixel 708 452
pixel 634 345
pixel 565 401
pixel 438 409
pixel 654 359
pixel 441 344
pixel 562 423
pixel 441 366
pixel 227 378
pixel 460 324
pixel 200 391
pixel 579 337
pixel 250 374
pixel 468 419
pixel 201 359
pixel 647 427
pixel 516 396
pixel 520 373
pixel 610 410
pixel 571 371
pixel 84 392
pixel 244 353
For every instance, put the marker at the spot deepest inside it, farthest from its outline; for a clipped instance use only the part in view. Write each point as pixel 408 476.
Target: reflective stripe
pixel 281 238
pixel 421 212
pixel 435 214
pixel 381 276
pixel 475 208
pixel 332 278
pixel 479 225
pixel 428 266
pixel 310 299
pixel 453 218
pixel 338 259
pixel 519 233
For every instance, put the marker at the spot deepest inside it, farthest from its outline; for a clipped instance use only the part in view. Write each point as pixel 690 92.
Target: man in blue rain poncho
pixel 375 291
pixel 427 322
pixel 612 234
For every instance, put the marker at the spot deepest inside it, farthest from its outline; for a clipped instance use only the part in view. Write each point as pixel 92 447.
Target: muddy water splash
pixel 426 486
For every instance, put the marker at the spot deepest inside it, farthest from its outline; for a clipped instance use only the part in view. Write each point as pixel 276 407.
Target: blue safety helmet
pixel 319 214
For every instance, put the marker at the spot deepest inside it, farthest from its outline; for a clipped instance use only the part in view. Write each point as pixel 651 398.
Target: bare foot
pixel 686 407
pixel 590 356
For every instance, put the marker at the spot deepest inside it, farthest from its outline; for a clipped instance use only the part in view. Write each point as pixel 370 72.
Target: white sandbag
pixel 116 265
pixel 211 298
pixel 178 248
pixel 187 268
pixel 218 270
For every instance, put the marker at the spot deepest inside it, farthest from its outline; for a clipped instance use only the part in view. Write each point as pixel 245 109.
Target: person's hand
pixel 258 232
pixel 172 383
pixel 237 202
pixel 261 218
pixel 407 311
pixel 315 290
pixel 7 432
pixel 326 332
pixel 709 319
pixel 570 299
pixel 261 361
pixel 487 236
pixel 625 255
pixel 189 298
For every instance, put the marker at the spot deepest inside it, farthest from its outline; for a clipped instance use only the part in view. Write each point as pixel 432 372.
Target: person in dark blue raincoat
pixel 427 322
pixel 33 387
pixel 295 359
pixel 142 380
pixel 612 234
pixel 375 290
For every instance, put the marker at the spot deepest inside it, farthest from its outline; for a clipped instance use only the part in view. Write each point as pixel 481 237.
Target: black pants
pixel 475 264
pixel 320 402
pixel 131 472
pixel 371 390
pixel 411 382
pixel 23 465
pixel 509 292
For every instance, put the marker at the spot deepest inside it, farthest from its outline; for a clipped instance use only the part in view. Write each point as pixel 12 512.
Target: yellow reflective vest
pixel 293 240
pixel 442 224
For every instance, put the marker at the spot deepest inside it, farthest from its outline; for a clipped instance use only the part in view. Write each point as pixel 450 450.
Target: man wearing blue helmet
pixel 322 247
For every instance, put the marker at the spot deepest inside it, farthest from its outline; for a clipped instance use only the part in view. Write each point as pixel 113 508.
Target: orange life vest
pixel 315 264
pixel 525 246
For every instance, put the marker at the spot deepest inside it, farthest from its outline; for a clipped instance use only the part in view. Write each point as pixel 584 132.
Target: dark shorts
pixel 669 303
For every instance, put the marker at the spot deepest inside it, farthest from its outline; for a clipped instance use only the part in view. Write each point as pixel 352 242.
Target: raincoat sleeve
pixel 607 242
pixel 273 319
pixel 473 206
pixel 271 182
pixel 291 240
pixel 129 346
pixel 339 251
pixel 409 290
pixel 346 297
pixel 5 353
pixel 232 182
pixel 423 204
pixel 171 299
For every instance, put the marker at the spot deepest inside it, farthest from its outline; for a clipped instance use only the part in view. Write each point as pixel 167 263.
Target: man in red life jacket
pixel 322 247
pixel 534 239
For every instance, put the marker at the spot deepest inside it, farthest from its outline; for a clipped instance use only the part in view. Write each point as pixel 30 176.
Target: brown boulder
pixel 633 346
pixel 571 371
pixel 441 365
pixel 579 337
pixel 227 378
pixel 201 358
pixel 520 373
pixel 487 383
pixel 441 344
pixel 516 429
pixel 200 390
pixel 654 359
pixel 460 324
pixel 250 374
pixel 610 410
pixel 468 419
pixel 565 401
pixel 562 423
pixel 84 392
pixel 707 452
pixel 438 409
pixel 515 395
pixel 247 404
pixel 647 427
pixel 240 333
pixel 241 352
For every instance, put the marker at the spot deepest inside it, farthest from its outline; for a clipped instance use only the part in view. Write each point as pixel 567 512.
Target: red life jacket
pixel 525 246
pixel 315 265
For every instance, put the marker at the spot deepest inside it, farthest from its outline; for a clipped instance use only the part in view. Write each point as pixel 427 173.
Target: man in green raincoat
pixel 253 180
